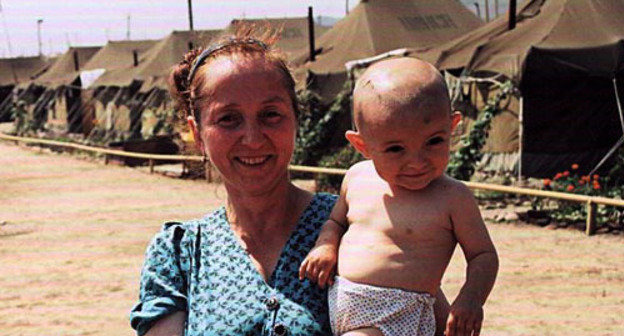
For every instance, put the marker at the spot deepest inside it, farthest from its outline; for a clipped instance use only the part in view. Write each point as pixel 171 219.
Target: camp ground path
pixel 73 233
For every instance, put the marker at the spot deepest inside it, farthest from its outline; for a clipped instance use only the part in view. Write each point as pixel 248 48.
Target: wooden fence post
pixel 590 228
pixel 151 165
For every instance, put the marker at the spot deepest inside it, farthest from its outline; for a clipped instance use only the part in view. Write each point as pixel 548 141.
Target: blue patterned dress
pixel 200 267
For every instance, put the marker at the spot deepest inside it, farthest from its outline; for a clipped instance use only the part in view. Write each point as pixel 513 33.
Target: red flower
pixel 581 181
pixel 586 178
pixel 566 173
pixel 570 187
pixel 547 182
pixel 557 176
pixel 596 176
pixel 574 166
pixel 597 186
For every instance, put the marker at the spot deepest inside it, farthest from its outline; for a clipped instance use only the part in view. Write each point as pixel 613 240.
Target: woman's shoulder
pixel 319 208
pixel 323 200
pixel 190 228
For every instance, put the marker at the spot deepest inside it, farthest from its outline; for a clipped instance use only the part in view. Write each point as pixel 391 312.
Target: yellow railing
pixel 590 201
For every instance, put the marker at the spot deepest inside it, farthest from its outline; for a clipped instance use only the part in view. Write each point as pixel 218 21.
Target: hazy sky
pixel 93 22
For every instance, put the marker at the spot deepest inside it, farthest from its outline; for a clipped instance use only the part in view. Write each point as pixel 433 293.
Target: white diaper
pixel 395 312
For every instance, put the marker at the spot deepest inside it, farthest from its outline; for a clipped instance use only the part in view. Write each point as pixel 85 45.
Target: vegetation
pixel 314 130
pixel 463 161
pixel 608 217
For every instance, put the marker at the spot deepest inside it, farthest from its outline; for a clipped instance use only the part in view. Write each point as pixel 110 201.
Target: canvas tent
pixel 567 58
pixel 377 26
pixel 16 71
pixel 113 56
pixel 294 35
pixel 132 101
pixel 48 96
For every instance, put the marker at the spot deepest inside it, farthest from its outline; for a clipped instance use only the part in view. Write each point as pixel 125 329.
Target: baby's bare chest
pixel 414 217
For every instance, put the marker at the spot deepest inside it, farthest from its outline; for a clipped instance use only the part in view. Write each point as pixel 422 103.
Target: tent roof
pixel 63 71
pixel 377 26
pixel 117 54
pixel 550 25
pixel 155 64
pixel 294 35
pixel 21 69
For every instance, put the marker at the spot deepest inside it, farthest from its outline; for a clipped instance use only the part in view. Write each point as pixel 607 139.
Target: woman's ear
pixel 355 138
pixel 195 131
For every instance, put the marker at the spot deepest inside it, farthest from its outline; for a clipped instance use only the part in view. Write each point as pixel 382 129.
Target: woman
pixel 235 271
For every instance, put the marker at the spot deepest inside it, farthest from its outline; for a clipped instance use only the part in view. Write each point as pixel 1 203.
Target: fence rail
pixel 590 201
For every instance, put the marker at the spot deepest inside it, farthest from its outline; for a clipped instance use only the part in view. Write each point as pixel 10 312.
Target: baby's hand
pixel 465 318
pixel 320 265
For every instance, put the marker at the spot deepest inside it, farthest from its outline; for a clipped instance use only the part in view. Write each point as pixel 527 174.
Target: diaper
pixel 395 312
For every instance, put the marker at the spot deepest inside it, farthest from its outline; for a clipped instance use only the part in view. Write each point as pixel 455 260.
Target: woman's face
pixel 247 122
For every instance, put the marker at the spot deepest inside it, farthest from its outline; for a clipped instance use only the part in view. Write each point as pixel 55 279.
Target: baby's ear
pixel 356 141
pixel 456 118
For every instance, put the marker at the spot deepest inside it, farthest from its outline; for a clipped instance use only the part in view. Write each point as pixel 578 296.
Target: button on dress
pixel 200 267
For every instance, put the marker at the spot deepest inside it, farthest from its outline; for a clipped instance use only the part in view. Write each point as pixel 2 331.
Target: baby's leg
pixel 364 332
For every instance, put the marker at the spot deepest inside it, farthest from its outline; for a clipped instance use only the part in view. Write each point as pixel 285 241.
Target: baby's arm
pixel 320 264
pixel 466 314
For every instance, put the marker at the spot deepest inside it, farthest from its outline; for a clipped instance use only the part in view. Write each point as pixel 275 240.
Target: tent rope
pixel 619 142
pixel 619 104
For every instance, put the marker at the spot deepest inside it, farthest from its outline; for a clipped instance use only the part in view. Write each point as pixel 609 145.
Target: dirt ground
pixel 73 233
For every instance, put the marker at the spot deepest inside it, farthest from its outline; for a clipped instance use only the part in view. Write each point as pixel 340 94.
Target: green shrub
pixel 315 124
pixel 569 181
pixel 344 158
pixel 462 163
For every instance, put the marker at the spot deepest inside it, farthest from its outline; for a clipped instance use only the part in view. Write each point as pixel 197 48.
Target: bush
pixel 344 158
pixel 462 163
pixel 314 130
pixel 569 181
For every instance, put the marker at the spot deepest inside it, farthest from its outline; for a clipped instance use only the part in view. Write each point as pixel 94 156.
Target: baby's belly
pixel 375 259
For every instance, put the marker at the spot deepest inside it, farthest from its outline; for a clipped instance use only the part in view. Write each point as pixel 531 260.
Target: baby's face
pixel 409 148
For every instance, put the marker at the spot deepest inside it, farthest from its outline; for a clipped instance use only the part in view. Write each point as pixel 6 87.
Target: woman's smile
pixel 253 160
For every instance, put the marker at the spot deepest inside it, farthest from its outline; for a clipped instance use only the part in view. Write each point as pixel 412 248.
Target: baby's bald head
pixel 400 85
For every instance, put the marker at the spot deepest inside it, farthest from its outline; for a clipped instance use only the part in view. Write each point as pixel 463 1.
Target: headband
pixel 217 47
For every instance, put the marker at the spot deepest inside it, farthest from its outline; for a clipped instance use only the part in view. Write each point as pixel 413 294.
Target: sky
pixel 93 22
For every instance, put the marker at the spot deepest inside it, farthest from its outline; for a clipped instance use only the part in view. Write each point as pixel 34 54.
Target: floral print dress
pixel 199 267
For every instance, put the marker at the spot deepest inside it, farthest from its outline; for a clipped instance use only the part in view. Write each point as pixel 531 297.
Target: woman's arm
pixel 170 325
pixel 441 310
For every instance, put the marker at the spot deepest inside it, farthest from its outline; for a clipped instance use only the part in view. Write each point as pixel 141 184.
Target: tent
pixel 66 67
pixel 567 59
pixel 16 71
pixel 294 35
pixel 377 26
pixel 60 88
pixel 132 101
pixel 113 56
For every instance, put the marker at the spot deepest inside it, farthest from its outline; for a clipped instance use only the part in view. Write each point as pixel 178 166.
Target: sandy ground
pixel 73 233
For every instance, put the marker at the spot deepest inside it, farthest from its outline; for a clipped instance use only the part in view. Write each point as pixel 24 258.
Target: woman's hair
pixel 247 41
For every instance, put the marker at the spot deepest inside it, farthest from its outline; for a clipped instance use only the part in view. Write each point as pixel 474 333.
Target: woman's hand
pixel 320 265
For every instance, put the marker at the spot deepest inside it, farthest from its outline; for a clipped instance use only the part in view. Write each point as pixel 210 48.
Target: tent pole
pixel 520 137
pixel 621 141
pixel 495 8
pixel 487 11
pixel 511 24
pixel 190 14
pixel 311 33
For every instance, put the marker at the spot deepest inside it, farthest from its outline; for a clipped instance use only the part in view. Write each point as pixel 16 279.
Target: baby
pixel 393 230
